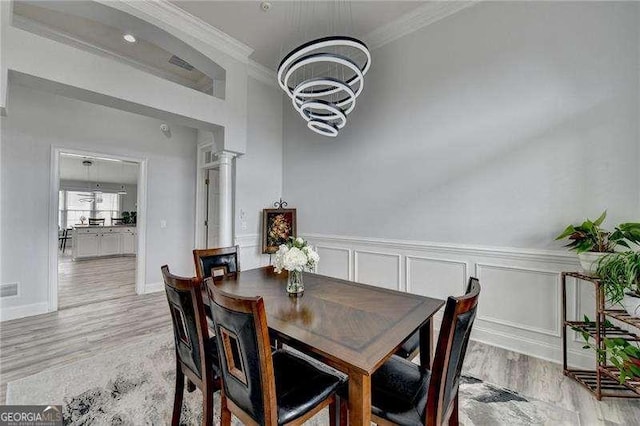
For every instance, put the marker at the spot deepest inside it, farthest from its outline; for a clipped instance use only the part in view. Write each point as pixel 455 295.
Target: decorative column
pixel 225 182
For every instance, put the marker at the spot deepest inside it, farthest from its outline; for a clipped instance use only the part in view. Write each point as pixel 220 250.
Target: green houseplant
pixel 591 242
pixel 126 218
pixel 623 355
pixel 620 276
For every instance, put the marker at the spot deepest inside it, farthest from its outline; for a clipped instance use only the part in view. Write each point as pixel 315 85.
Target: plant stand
pixel 603 381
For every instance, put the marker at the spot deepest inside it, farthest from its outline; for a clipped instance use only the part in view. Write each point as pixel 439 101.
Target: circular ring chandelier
pixel 323 78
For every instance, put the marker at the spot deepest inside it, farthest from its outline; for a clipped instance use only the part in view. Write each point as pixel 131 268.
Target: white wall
pixel 259 172
pixel 475 141
pixel 37 121
pixel 497 126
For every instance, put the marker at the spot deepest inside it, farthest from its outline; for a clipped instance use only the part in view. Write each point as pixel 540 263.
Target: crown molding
pixel 420 17
pixel 262 73
pixel 167 13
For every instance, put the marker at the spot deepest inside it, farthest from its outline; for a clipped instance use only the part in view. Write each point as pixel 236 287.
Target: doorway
pixel 99 207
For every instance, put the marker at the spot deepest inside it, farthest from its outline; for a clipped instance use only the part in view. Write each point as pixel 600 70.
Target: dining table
pixel 350 326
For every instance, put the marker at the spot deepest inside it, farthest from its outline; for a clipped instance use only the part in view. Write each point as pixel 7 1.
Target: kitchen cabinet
pixel 97 241
pixel 129 242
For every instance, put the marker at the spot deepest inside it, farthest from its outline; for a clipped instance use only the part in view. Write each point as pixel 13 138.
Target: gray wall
pixel 495 126
pixel 259 172
pixel 37 121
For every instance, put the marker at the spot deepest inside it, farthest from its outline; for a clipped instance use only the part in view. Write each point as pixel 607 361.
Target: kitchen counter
pixel 91 241
pixel 104 226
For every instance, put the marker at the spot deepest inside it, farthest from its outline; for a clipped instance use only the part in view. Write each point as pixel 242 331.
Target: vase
pixel 631 304
pixel 589 261
pixel 295 284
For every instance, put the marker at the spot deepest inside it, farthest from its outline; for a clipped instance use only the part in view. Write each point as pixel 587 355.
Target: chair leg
pixel 333 412
pixel 453 419
pixel 190 386
pixel 177 399
pixel 207 407
pixel 225 414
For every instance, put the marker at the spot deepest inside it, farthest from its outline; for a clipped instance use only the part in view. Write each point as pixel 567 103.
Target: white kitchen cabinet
pixel 128 242
pixel 86 244
pixel 110 244
pixel 104 241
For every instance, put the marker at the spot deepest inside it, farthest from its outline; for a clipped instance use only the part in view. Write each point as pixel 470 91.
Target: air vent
pixel 8 290
pixel 180 63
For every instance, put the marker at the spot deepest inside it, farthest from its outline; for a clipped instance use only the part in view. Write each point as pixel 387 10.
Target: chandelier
pixel 323 78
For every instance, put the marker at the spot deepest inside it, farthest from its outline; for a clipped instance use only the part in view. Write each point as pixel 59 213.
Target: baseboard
pixel 15 312
pixel 153 287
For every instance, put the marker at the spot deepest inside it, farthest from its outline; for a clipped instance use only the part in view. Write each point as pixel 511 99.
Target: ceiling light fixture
pixel 129 37
pixel 323 78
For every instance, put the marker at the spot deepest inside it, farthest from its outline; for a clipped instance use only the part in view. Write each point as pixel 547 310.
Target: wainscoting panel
pixel 520 304
pixel 435 277
pixel 534 304
pixel 334 262
pixel 378 268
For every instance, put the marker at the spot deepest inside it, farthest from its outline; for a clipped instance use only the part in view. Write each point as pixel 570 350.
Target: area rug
pixel 134 385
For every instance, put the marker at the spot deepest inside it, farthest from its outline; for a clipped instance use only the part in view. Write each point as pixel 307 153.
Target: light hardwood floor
pixel 94 280
pixel 34 344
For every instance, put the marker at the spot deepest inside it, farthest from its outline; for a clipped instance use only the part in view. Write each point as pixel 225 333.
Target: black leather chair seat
pixel 399 391
pixel 300 385
pixel 410 346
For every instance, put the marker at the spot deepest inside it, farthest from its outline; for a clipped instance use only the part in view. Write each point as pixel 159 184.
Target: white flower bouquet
pixel 295 256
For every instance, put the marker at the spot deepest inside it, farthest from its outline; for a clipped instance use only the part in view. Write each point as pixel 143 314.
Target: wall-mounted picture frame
pixel 278 225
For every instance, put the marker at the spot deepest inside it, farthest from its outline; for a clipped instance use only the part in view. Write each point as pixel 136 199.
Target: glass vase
pixel 295 284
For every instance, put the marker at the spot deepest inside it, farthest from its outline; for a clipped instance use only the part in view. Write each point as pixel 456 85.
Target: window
pixel 76 204
pixel 107 206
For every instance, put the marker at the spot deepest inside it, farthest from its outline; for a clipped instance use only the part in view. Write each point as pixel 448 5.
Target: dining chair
pixel 63 237
pixel 96 221
pixel 117 221
pixel 404 393
pixel 196 353
pixel 217 262
pixel 261 387
pixel 411 347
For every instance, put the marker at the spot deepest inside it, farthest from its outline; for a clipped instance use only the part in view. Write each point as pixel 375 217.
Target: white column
pixel 225 213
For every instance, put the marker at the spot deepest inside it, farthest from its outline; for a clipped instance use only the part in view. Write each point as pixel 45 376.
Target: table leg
pixel 359 399
pixel 426 345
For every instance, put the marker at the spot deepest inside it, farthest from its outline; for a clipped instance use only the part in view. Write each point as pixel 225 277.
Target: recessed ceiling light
pixel 129 37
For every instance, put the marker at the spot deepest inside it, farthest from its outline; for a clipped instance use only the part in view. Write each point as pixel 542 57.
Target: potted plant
pixel 622 354
pixel 592 242
pixel 620 276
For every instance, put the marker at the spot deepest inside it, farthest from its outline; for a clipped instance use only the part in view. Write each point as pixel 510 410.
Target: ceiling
pixel 102 171
pixel 287 24
pixel 58 20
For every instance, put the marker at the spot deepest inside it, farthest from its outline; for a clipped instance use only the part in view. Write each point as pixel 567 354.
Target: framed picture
pixel 277 226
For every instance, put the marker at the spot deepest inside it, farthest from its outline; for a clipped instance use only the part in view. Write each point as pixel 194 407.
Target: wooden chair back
pixel 459 315
pixel 190 329
pixel 245 355
pixel 217 263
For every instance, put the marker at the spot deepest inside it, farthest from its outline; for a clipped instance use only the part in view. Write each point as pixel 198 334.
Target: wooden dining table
pixel 350 326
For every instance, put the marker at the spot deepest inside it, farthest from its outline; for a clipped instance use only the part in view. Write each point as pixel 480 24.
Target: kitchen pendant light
pixel 89 197
pixel 323 78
